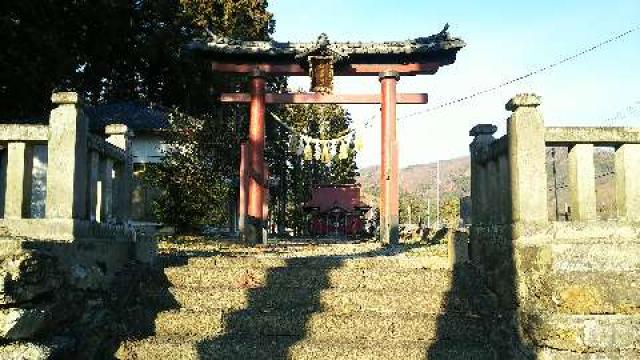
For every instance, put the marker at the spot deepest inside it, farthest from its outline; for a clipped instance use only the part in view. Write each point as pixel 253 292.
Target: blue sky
pixel 504 39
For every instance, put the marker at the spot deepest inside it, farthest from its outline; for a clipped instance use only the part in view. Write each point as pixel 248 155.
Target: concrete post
pixel 67 148
pixel 106 190
pixel 582 183
pixel 504 189
pixel 3 177
pixel 389 207
pixel 627 185
pixel 482 194
pixel 493 193
pixel 120 136
pixel 483 136
pixel 458 248
pixel 94 172
pixel 525 130
pixel 18 185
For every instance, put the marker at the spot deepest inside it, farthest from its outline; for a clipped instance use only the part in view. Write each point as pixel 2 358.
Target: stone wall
pixel 62 263
pixel 567 290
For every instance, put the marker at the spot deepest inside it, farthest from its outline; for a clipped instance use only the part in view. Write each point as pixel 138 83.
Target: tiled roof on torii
pixel 440 46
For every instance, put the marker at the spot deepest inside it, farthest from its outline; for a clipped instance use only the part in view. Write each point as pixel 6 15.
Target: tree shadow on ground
pixel 135 315
pixel 139 294
pixel 278 312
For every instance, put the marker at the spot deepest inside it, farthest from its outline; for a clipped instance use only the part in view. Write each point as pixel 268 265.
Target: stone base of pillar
pixel 255 231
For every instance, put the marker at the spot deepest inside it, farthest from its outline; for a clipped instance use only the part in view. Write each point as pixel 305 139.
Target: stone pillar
pixel 3 177
pixel 120 136
pixel 67 148
pixel 94 173
pixel 582 183
pixel 525 130
pixel 627 184
pixel 482 194
pixel 493 193
pixel 458 248
pixel 483 136
pixel 389 207
pixel 18 185
pixel 504 189
pixel 106 190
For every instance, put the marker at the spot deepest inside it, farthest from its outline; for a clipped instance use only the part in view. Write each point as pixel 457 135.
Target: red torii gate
pixel 322 60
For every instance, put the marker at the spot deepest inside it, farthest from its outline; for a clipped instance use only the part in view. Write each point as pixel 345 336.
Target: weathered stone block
pixel 27 275
pixel 592 292
pixel 523 100
pixel 16 323
pixel 458 246
pixel 62 98
pixel 554 354
pixel 596 257
pixel 87 277
pixel 146 249
pixel 588 333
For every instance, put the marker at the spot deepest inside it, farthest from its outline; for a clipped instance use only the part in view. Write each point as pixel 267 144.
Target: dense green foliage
pixel 320 122
pixel 414 208
pixel 195 177
pixel 114 49
pixel 110 50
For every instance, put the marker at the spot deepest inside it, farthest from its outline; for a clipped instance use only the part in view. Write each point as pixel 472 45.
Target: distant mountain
pixel 421 179
pixel 455 180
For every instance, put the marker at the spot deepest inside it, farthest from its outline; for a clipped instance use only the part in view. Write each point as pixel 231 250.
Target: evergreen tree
pixel 116 49
pixel 322 122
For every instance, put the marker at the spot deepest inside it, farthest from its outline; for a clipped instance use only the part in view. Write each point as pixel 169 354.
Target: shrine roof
pixel 439 46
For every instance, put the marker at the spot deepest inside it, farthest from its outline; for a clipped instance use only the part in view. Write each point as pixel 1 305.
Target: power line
pixel 522 77
pixel 632 109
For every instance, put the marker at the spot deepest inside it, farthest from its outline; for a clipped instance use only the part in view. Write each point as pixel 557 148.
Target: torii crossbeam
pixel 322 60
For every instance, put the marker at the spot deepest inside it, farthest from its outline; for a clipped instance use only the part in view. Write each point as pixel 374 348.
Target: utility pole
pixel 429 213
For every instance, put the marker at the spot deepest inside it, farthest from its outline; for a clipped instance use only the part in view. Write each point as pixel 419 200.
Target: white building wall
pixel 39 181
pixel 147 149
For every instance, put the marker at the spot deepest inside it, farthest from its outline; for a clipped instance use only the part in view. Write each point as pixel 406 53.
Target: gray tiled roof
pixel 422 48
pixel 138 117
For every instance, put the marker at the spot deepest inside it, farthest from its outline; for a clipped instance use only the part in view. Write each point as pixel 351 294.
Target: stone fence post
pixel 483 137
pixel 18 180
pixel 525 130
pixel 582 183
pixel 120 136
pixel 67 148
pixel 627 163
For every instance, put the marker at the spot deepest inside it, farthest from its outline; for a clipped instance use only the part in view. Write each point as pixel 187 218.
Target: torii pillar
pixel 322 60
pixel 389 200
pixel 254 227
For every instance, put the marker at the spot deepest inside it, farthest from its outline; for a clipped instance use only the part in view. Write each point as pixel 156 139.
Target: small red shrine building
pixel 336 210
